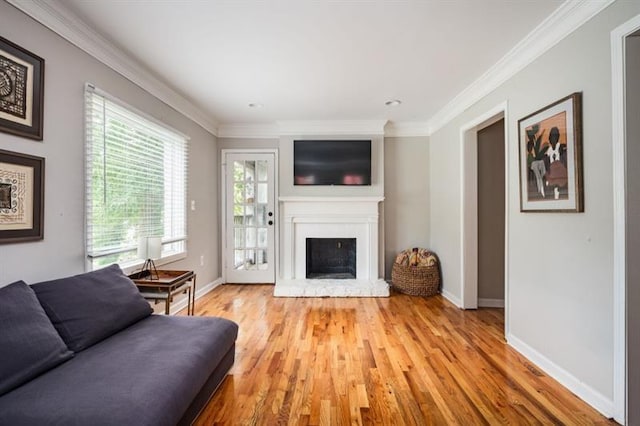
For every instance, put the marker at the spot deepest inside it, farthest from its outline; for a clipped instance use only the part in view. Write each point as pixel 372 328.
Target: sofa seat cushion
pixel 29 344
pixel 147 374
pixel 89 307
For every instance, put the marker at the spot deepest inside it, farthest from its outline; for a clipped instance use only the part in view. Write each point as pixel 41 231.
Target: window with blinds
pixel 136 182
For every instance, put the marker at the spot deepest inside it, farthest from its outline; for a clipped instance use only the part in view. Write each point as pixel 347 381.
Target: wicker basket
pixel 416 280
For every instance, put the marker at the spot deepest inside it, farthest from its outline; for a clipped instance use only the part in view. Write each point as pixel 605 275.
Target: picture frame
pixel 21 91
pixel 21 197
pixel 550 157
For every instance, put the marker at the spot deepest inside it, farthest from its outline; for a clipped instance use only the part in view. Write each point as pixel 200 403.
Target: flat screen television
pixel 332 162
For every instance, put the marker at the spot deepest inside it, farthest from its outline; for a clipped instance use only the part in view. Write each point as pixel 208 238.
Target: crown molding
pixel 302 128
pixel 563 21
pixel 275 130
pixel 65 23
pixel 396 129
pixel 332 127
pixel 249 131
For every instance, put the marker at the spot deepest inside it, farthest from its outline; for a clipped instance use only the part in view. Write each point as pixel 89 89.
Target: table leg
pixel 193 296
pixel 167 304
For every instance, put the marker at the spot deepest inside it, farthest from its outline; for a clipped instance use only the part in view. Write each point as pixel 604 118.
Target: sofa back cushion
pixel 29 344
pixel 90 307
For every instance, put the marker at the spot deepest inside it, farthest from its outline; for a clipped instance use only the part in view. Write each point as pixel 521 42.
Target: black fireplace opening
pixel 331 258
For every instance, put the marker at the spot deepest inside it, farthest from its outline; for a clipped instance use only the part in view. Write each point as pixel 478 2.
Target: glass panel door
pixel 250 221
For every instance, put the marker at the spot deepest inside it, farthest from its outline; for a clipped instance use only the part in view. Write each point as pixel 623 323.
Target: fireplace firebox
pixel 331 258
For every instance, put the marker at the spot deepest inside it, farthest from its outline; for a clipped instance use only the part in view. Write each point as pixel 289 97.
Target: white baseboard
pixel 589 395
pixel 209 287
pixel 490 303
pixel 451 298
pixel 181 304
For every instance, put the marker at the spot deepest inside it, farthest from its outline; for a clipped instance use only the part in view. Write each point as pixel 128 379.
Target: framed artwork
pixel 550 148
pixel 21 197
pixel 21 91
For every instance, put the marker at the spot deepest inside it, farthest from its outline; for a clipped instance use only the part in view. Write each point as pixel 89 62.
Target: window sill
pixel 135 266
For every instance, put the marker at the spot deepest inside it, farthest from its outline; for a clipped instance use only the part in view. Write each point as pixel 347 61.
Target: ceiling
pixel 314 60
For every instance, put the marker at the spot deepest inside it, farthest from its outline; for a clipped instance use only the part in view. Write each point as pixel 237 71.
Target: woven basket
pixel 416 280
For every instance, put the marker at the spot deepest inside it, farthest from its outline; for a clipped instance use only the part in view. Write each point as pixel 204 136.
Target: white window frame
pixel 130 266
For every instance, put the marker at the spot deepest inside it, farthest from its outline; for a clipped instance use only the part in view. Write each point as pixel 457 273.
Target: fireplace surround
pixel 321 217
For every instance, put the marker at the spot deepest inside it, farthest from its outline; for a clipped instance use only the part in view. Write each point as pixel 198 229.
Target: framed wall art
pixel 21 197
pixel 550 148
pixel 21 91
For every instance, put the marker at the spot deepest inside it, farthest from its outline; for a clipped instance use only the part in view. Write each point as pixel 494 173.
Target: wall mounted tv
pixel 332 162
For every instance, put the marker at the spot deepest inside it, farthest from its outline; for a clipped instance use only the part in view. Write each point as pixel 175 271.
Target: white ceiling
pixel 314 60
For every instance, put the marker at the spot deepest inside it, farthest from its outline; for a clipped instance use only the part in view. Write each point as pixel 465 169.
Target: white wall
pixel 406 183
pixel 560 265
pixel 67 68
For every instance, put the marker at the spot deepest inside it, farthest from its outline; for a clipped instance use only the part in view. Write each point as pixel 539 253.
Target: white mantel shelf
pixel 305 217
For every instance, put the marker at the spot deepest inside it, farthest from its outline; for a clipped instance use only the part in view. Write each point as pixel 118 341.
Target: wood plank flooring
pixel 391 361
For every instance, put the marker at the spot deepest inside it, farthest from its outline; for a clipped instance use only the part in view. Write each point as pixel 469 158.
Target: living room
pixel 562 306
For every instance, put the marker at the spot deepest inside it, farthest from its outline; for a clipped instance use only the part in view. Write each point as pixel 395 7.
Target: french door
pixel 250 218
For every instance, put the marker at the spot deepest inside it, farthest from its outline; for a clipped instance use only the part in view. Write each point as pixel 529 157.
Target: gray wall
pixel 406 183
pixel 240 143
pixel 560 302
pixel 633 227
pixel 491 212
pixel 66 70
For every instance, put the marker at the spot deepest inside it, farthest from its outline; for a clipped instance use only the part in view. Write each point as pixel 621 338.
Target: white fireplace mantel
pixel 330 217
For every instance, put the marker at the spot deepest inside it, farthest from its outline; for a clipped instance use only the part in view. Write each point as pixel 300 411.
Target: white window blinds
pixel 136 182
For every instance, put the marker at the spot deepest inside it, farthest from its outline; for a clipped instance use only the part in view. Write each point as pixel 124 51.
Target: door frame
pixel 469 207
pixel 619 141
pixel 223 206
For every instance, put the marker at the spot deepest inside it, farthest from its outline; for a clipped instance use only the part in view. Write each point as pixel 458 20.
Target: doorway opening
pixel 470 214
pixel 632 229
pixel 625 62
pixel 249 216
pixel 491 214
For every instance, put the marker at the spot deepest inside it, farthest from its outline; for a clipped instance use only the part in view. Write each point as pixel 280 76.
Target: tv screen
pixel 332 162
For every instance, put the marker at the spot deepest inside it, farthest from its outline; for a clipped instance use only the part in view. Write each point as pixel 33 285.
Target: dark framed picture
pixel 21 91
pixel 550 147
pixel 21 197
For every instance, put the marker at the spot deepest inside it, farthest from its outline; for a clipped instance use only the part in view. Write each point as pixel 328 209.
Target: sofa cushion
pixel 145 375
pixel 89 307
pixel 29 344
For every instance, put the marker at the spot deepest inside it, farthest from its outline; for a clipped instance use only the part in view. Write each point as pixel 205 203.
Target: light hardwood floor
pixel 397 360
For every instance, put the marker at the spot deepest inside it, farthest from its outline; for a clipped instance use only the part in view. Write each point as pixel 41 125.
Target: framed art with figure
pixel 550 157
pixel 21 197
pixel 21 91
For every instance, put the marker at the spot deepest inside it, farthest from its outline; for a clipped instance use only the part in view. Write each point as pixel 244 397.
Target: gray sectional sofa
pixel 86 350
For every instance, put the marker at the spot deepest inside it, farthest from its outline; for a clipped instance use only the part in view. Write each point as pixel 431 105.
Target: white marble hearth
pixel 331 288
pixel 331 217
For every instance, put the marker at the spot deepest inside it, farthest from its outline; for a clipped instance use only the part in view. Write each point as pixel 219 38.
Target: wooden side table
pixel 168 284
